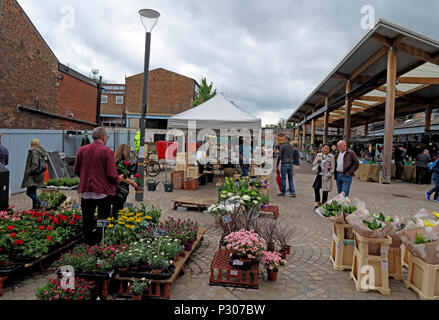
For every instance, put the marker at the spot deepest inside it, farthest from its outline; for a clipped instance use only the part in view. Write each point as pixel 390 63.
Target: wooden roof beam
pixel 372 98
pixel 378 55
pixel 418 80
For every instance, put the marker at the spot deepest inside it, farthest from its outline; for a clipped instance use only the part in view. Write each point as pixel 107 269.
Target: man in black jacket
pixel 422 161
pixel 286 158
pixel 399 162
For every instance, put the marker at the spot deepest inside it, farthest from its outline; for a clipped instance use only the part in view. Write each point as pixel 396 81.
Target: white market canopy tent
pixel 216 113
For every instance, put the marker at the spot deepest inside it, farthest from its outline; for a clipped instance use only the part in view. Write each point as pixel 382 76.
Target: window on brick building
pixel 119 99
pixel 104 99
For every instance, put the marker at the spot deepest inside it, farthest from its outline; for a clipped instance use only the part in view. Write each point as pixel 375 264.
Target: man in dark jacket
pixel 286 158
pixel 96 167
pixel 422 161
pixel 399 161
pixel 346 163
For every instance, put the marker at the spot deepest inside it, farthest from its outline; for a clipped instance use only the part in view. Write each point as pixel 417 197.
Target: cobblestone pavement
pixel 308 275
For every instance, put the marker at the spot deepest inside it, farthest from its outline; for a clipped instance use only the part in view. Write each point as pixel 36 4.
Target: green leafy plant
pixel 382 217
pixel 332 209
pixel 158 262
pixel 374 225
pixel 420 239
pixel 138 286
pixel 349 209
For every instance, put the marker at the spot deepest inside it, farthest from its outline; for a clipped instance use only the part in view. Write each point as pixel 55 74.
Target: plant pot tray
pixel 148 274
pixel 194 202
pixel 162 288
pixel 95 276
pixel 11 269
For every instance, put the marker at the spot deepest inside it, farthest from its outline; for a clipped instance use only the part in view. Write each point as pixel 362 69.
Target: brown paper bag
pixel 428 252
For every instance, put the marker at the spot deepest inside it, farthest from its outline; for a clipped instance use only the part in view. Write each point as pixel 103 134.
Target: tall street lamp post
pixel 149 19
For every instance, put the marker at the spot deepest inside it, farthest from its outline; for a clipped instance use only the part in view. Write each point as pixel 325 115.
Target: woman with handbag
pixel 34 172
pixel 324 166
pixel 123 166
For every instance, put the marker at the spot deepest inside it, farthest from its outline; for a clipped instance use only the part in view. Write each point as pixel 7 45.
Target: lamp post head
pixel 149 18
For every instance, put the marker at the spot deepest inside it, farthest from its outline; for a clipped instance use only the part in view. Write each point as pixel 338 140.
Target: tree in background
pixel 282 124
pixel 204 93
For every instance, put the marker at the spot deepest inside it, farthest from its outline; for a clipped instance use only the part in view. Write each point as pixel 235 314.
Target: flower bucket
pixel 272 275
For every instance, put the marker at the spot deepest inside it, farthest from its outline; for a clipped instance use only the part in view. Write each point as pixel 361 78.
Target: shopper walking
pixel 296 162
pixel 125 166
pixel 4 154
pixel 346 165
pixel 435 178
pixel 286 158
pixel 325 163
pixel 96 167
pixel 422 161
pixel 34 172
pixel 245 155
pixel 399 162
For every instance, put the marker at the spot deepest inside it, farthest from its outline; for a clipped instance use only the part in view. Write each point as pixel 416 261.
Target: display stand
pixel 160 288
pixel 423 278
pixel 342 249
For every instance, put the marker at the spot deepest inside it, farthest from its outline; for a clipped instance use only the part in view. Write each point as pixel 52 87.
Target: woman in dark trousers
pixel 122 158
pixel 435 178
pixel 326 166
pixel 33 175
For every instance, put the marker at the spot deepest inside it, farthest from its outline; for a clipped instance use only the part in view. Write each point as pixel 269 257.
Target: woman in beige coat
pixel 325 174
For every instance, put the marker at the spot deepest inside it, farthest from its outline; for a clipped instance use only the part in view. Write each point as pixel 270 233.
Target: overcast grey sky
pixel 266 56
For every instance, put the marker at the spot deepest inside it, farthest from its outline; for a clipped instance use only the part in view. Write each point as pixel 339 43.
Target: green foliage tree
pixel 204 93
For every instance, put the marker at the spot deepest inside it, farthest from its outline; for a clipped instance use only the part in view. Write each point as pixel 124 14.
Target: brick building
pixel 113 105
pixel 169 93
pixel 38 92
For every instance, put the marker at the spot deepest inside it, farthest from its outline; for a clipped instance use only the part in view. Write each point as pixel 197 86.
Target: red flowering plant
pixel 31 234
pixel 124 168
pixel 138 180
pixel 95 259
pixel 53 290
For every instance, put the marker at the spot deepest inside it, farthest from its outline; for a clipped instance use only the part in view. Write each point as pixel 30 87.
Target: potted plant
pixel 268 231
pixel 158 264
pixel 246 246
pixel 284 234
pixel 122 261
pixel 83 290
pixel 134 260
pixel 272 261
pixel 137 288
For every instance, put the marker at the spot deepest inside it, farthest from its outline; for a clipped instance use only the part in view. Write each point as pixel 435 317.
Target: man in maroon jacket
pixel 96 167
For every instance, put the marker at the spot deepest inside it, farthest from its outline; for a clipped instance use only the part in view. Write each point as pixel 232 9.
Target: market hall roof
pixel 366 67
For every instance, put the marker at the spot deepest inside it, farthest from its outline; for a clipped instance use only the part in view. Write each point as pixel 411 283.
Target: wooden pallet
pixel 160 288
pixel 423 278
pixel 194 202
pixel 222 274
pixel 372 267
pixel 342 249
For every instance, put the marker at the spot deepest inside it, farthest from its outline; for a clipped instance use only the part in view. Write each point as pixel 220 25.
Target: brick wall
pixel 28 73
pixel 77 97
pixel 168 93
pixel 111 107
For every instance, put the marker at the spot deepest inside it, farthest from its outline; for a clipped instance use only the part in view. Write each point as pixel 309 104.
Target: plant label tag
pixel 160 232
pixel 128 205
pixel 233 272
pixel 384 250
pixel 111 273
pixel 227 219
pixel 348 242
pixel 182 209
pixel 103 223
pixel 45 204
pixel 384 265
pixel 237 263
pixel 76 206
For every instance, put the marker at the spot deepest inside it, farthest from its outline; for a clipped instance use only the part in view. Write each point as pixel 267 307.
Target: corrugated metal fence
pixel 17 141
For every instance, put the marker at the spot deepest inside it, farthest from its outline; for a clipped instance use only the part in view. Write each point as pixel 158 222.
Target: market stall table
pixel 368 172
pixel 408 172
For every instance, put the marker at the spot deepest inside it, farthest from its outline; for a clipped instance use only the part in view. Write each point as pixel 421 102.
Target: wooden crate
pixel 192 172
pixel 342 249
pixel 222 274
pixel 373 267
pixel 405 256
pixel 177 178
pixel 180 167
pixel 423 278
pixel 394 258
pixel 182 158
pixel 191 184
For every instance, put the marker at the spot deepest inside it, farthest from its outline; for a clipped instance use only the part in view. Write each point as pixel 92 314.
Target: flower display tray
pixel 94 276
pixel 148 274
pixel 222 274
pixel 9 270
pixel 246 265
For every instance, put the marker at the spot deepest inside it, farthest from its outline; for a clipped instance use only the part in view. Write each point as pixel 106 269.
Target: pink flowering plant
pixel 245 244
pixel 272 260
pixel 53 290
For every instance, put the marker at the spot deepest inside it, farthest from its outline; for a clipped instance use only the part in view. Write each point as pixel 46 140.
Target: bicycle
pixel 152 167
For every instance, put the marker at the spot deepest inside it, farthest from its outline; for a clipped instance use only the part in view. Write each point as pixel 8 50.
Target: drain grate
pixel 400 196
